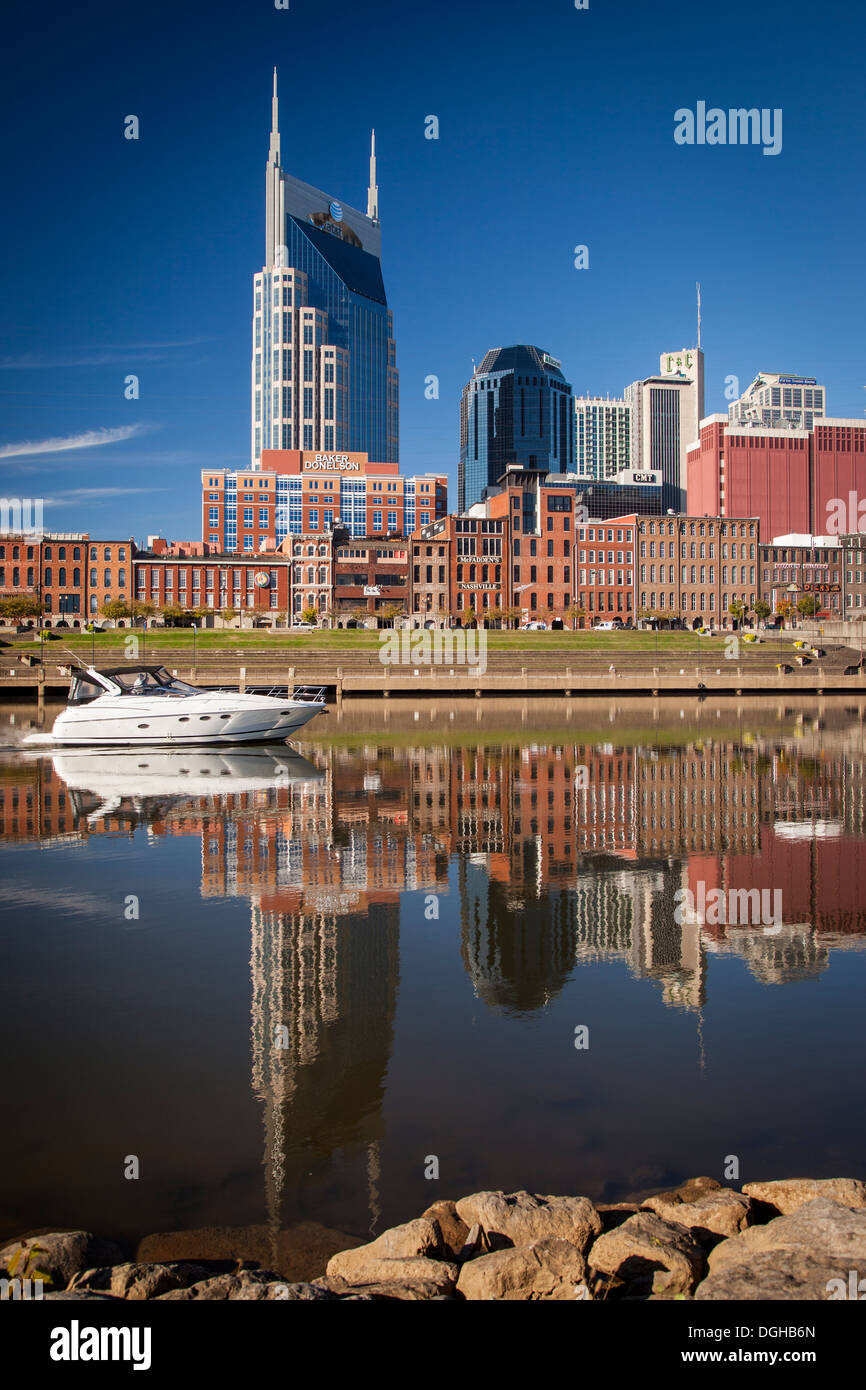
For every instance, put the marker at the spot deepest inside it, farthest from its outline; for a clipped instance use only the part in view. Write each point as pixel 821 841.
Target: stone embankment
pixel 794 1239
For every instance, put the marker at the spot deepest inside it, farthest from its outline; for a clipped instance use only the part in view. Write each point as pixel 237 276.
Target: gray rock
pixel 257 1285
pixel 718 1213
pixel 406 1290
pixel 820 1226
pixel 418 1242
pixel 781 1275
pixel 788 1194
pixel 521 1218
pixel 454 1230
pixel 373 1269
pixel 647 1255
pixel 546 1270
pixel 60 1255
pixel 139 1281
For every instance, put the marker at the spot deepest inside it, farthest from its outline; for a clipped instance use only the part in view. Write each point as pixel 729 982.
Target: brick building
pixel 258 589
pixel 109 573
pixel 792 480
pixel 371 578
pixel 298 493
pixel 606 569
pixel 430 574
pixel 814 564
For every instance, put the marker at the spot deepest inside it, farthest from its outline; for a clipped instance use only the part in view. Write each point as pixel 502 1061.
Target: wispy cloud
pixel 99 355
pixel 89 494
pixel 89 439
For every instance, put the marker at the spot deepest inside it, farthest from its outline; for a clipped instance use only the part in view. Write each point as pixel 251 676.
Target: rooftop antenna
pixel 698 287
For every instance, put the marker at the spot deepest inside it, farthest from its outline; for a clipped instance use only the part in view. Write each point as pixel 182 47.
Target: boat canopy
pixel 89 683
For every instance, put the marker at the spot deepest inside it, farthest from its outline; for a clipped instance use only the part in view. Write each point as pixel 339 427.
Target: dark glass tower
pixel 518 409
pixel 326 380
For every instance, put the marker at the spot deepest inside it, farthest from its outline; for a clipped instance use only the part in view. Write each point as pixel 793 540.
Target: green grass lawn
pixel 179 639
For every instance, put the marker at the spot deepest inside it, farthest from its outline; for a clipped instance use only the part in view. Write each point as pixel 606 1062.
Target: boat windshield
pixel 152 683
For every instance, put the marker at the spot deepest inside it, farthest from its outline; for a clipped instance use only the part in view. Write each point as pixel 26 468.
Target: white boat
pixel 136 705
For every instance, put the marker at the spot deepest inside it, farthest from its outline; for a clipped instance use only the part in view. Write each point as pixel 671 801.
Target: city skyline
pixel 141 267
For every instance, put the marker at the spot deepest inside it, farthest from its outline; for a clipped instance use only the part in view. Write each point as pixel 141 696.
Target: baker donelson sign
pixel 332 463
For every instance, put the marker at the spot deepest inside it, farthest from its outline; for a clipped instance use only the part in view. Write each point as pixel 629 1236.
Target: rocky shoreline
pixel 791 1239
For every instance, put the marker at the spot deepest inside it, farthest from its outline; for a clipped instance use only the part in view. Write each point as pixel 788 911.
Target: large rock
pixel 374 1269
pixel 649 1256
pixel 788 1275
pixel 546 1270
pixel 715 1214
pixel 821 1227
pixel 138 1281
pixel 454 1230
pixel 407 1290
pixel 788 1194
pixel 60 1255
pixel 251 1285
pixel 689 1191
pixel 416 1240
pixel 520 1218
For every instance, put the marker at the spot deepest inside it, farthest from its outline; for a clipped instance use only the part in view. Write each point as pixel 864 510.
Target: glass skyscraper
pixel 324 373
pixel 517 409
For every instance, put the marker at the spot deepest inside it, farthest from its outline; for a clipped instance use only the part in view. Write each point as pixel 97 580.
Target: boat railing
pixel 311 694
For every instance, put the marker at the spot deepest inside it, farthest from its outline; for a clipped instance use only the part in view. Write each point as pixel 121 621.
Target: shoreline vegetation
pixel 795 1239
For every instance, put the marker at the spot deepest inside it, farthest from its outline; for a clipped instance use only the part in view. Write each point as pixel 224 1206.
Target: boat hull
pixel 270 721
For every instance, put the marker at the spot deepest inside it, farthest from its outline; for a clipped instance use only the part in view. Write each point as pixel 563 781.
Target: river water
pixel 492 941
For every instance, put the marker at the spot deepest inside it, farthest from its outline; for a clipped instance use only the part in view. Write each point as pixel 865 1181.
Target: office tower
pixel 666 411
pixel 602 436
pixel 517 409
pixel 324 374
pixel 779 402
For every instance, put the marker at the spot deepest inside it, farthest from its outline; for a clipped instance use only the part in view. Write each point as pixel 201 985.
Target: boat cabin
pixel 89 684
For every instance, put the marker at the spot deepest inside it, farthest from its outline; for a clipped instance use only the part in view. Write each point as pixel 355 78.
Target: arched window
pixel 61 576
pixel 48 579
pixel 47 603
pixel 106 579
pixel 94 606
pixel 61 554
pixel 16 578
pixel 93 580
pixel 48 552
pixel 76 579
pixel 76 553
pixel 121 579
pixel 16 553
pixel 323 574
pixel 106 554
pixel 311 575
pixel 31 580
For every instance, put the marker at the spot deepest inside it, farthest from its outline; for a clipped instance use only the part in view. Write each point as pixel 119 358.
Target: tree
pixel 172 613
pixel 575 614
pixel 20 606
pixel 140 609
pixel 309 615
pixel 390 612
pixel 807 605
pixel 761 609
pixel 228 615
pixel 114 608
pixel 737 610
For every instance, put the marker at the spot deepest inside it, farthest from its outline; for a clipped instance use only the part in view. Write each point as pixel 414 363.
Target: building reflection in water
pixel 560 855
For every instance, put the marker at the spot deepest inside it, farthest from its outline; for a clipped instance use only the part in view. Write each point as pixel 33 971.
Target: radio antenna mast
pixel 698 287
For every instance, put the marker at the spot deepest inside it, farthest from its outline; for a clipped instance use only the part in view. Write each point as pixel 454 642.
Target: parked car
pixel 533 627
pixel 606 627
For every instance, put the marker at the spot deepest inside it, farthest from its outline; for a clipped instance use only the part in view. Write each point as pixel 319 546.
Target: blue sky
pixel 556 129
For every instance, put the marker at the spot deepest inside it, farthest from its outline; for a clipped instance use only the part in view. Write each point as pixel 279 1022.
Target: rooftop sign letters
pixel 331 463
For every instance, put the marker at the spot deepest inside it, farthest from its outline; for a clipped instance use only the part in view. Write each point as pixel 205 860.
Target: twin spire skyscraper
pixel 324 373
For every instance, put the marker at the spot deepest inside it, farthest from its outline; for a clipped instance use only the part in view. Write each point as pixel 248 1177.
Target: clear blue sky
pixel 556 128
